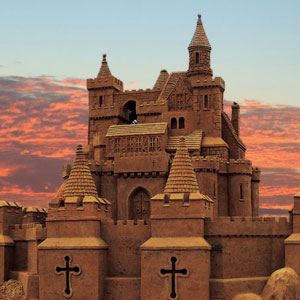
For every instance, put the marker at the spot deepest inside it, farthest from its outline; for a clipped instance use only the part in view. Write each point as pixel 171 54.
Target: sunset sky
pixel 49 48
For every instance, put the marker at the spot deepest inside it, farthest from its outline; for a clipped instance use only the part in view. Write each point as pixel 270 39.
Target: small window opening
pixel 173 123
pixel 61 203
pixel 241 192
pixel 215 190
pixel 197 58
pixel 101 98
pixel 181 122
pixel 206 102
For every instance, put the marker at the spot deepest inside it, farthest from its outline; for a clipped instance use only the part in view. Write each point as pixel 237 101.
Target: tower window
pixel 215 190
pixel 241 192
pixel 197 58
pixel 181 122
pixel 173 123
pixel 101 99
pixel 206 102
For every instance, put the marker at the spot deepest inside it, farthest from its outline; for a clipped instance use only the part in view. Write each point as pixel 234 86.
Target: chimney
pixel 235 117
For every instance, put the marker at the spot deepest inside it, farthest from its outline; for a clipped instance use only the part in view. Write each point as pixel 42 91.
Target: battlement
pixel 206 163
pixel 104 83
pixel 247 226
pixel 109 222
pixel 208 82
pixel 134 91
pixel 236 166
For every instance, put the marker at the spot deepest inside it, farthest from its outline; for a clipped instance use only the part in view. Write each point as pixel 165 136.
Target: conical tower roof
pixel 182 177
pixel 199 38
pixel 161 80
pixel 104 69
pixel 80 182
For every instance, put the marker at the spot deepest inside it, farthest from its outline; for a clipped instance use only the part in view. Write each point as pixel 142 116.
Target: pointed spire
pixel 161 80
pixel 182 177
pixel 199 38
pixel 80 182
pixel 104 69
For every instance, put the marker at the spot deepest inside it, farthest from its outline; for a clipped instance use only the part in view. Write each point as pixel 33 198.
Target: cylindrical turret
pixel 199 52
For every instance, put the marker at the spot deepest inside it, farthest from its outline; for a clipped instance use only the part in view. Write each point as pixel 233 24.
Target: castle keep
pixel 160 204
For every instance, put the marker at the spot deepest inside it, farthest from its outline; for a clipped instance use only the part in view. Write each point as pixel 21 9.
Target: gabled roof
pixel 232 130
pixel 137 129
pixel 161 80
pixel 199 38
pixel 80 182
pixel 170 85
pixel 182 177
pixel 192 141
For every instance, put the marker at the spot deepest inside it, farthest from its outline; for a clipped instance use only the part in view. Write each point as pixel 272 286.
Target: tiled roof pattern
pixel 192 141
pixel 80 183
pixel 60 192
pixel 170 85
pixel 136 129
pixel 199 38
pixel 182 177
pixel 104 69
pixel 231 128
pixel 161 80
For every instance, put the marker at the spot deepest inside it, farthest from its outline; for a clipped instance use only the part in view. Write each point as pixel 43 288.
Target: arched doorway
pixel 129 112
pixel 139 204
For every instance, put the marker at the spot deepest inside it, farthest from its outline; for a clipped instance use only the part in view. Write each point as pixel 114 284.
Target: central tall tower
pixel 199 52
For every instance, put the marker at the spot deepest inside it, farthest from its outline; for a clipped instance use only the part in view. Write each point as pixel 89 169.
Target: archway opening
pixel 129 112
pixel 139 204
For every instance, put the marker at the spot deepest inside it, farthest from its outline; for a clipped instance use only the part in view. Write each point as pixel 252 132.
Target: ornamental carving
pixel 134 145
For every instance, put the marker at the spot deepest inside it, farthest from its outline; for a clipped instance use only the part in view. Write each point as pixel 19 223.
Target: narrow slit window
pixel 206 102
pixel 197 58
pixel 241 192
pixel 181 122
pixel 214 192
pixel 101 98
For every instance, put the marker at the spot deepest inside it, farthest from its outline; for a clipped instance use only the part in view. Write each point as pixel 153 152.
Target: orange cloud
pixel 44 118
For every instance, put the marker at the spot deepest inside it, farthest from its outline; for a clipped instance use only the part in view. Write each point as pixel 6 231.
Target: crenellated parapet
pixel 247 227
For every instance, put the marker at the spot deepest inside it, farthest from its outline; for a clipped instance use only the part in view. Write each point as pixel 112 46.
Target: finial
pixel 199 19
pixel 104 57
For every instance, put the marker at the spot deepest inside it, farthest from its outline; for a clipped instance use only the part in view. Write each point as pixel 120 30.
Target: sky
pixel 49 48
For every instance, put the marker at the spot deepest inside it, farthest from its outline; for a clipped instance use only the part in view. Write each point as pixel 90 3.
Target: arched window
pixel 139 204
pixel 181 122
pixel 173 123
pixel 129 112
pixel 197 58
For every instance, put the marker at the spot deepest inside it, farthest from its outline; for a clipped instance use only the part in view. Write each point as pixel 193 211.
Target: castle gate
pixel 139 204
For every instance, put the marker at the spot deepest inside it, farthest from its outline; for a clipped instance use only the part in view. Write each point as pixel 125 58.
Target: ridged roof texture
pixel 80 183
pixel 104 69
pixel 137 129
pixel 182 177
pixel 199 38
pixel 161 80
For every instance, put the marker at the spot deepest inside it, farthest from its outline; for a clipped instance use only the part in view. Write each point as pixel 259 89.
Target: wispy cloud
pixel 42 119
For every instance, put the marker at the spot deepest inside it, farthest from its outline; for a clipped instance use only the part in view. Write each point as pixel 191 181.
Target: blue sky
pixel 256 44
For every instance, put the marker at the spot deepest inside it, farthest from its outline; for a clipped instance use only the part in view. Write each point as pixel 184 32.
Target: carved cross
pixel 173 272
pixel 68 270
